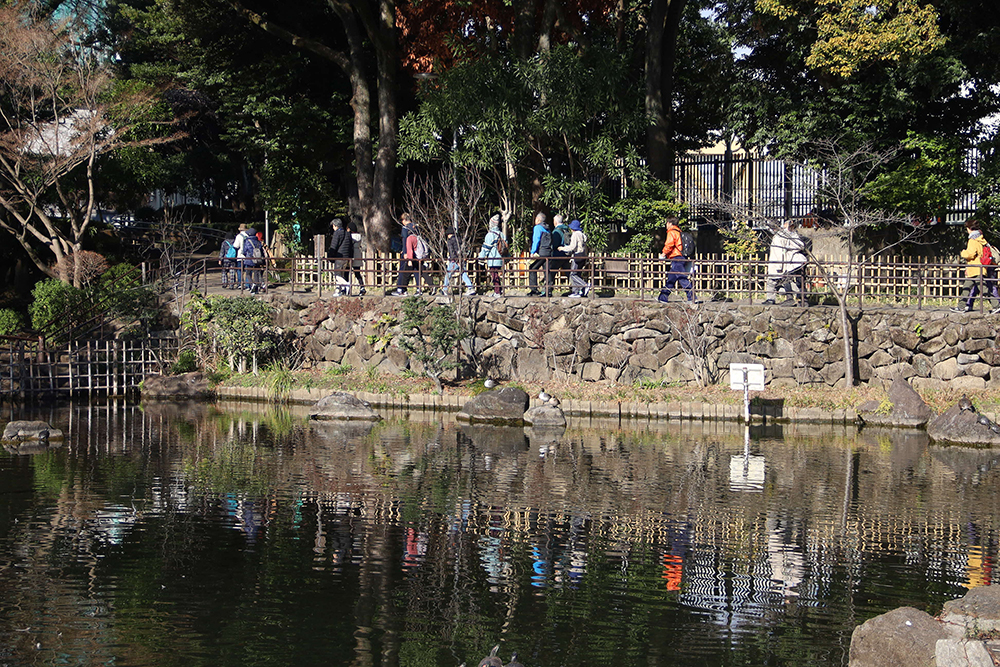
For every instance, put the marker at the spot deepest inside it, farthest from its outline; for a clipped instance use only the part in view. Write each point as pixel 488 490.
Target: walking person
pixel 341 251
pixel 455 258
pixel 786 262
pixel 541 251
pixel 358 262
pixel 680 261
pixel 577 251
pixel 414 250
pixel 493 250
pixel 249 255
pixel 561 234
pixel 977 274
pixel 227 260
pixel 241 237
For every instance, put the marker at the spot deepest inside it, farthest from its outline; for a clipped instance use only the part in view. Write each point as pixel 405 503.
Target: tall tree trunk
pixel 380 224
pixel 661 53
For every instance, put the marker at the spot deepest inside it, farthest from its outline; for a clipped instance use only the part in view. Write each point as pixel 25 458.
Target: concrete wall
pixel 625 341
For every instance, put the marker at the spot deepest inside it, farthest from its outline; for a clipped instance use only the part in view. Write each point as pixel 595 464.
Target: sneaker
pixel 470 291
pixel 663 298
pixel 419 292
pixel 586 290
pixel 533 292
pixel 959 309
pixel 361 292
pixel 575 295
pixel 399 291
pixel 767 302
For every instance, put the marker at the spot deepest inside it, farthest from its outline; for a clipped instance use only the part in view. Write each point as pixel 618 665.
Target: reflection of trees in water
pixel 457 536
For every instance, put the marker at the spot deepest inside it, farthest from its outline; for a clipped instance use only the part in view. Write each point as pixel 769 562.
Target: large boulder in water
pixel 904 408
pixel 343 406
pixel 904 636
pixel 962 424
pixel 183 387
pixel 497 406
pixel 545 416
pixel 30 437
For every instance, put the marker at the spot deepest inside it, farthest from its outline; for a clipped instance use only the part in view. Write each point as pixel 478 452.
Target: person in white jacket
pixel 786 261
pixel 577 252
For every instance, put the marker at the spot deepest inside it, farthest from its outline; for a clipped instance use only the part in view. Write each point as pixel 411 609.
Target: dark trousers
pixel 540 264
pixel 680 268
pixel 408 268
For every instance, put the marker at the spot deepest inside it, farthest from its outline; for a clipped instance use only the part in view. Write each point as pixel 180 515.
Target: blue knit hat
pixel 575 225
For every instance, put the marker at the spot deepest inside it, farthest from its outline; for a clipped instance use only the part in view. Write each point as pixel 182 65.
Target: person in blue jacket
pixel 541 253
pixel 493 250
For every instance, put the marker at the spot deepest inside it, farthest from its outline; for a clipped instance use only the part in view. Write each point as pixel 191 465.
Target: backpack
pixel 545 245
pixel 688 247
pixel 989 257
pixel 503 248
pixel 421 251
pixel 252 248
pixel 228 250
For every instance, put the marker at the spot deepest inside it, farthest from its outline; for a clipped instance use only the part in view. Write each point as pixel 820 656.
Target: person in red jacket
pixel 680 266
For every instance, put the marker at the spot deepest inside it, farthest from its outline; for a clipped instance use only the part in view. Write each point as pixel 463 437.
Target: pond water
pixel 239 535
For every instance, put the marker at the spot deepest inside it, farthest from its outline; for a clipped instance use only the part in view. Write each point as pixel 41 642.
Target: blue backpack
pixel 228 250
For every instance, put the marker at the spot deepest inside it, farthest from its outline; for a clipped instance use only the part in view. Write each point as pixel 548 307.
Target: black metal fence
pixel 774 189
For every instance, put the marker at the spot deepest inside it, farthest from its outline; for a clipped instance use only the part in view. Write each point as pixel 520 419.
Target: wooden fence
pixel 106 367
pixel 895 281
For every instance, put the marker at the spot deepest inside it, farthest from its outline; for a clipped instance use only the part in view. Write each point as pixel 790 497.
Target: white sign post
pixel 746 377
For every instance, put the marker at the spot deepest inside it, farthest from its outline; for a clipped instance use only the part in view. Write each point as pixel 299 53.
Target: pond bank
pixel 761 410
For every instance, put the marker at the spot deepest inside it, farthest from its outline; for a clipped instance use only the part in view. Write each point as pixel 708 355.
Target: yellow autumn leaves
pixel 851 34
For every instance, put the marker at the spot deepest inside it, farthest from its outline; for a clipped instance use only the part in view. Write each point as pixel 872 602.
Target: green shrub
pixel 644 212
pixel 57 306
pixel 187 362
pixel 10 321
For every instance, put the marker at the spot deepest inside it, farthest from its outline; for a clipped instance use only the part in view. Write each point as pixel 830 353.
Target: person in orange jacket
pixel 680 266
pixel 975 273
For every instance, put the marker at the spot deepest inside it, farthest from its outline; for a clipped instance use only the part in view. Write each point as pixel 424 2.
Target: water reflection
pixel 190 534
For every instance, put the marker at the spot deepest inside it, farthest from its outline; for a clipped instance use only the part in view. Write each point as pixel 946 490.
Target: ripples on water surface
pixel 193 535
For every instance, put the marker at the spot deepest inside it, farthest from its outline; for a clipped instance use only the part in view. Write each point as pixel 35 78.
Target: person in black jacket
pixel 341 251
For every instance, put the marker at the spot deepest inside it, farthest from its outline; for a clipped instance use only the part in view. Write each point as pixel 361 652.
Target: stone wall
pixel 628 340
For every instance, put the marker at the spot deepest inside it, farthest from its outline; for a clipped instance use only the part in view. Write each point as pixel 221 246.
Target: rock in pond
pixel 904 636
pixel 545 416
pixel 961 424
pixel 905 408
pixel 497 406
pixel 21 431
pixel 30 437
pixel 343 406
pixel 183 387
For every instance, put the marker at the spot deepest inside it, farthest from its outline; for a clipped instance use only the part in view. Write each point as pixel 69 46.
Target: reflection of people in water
pixel 785 556
pixel 679 536
pixel 414 549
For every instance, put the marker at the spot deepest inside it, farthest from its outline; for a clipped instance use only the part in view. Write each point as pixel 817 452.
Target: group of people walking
pixel 561 248
pixel 556 247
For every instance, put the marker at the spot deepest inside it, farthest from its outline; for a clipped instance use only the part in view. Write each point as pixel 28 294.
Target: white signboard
pixel 746 377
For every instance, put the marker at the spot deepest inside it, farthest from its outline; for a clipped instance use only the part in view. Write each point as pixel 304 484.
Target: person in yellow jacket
pixel 977 276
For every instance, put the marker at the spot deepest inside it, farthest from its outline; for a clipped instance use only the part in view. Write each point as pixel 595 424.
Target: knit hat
pixel 495 221
pixel 575 225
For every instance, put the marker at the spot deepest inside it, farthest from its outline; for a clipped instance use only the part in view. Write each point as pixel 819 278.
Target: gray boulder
pixel 20 431
pixel 545 416
pixel 183 387
pixel 904 636
pixel 30 437
pixel 497 406
pixel 979 610
pixel 964 426
pixel 342 406
pixel 907 408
